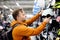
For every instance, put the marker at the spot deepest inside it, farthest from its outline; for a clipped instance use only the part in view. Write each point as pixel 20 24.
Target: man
pixel 22 31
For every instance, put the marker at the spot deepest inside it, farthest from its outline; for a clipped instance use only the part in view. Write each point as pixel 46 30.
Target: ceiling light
pixel 11 10
pixel 5 6
pixel 17 4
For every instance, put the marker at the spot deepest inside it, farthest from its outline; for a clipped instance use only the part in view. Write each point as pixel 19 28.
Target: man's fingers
pixel 49 17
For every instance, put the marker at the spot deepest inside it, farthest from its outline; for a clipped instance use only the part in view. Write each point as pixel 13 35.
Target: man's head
pixel 19 15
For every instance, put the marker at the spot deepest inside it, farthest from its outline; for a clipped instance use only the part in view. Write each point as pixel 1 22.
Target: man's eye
pixel 23 14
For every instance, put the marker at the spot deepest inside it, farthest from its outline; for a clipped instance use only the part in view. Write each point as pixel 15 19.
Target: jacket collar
pixel 14 22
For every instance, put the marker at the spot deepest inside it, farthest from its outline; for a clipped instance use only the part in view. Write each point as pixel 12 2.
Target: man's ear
pixel 17 17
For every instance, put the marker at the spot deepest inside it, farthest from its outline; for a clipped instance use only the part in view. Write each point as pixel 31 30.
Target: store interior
pixel 51 9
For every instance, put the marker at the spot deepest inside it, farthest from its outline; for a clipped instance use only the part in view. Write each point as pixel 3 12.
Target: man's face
pixel 21 16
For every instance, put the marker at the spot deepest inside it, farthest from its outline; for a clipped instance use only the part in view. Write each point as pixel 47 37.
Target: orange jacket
pixel 22 30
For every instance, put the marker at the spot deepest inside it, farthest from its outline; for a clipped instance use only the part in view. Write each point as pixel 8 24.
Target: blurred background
pixel 31 7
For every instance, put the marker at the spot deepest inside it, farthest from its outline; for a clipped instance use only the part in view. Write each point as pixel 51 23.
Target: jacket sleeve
pixel 34 18
pixel 31 31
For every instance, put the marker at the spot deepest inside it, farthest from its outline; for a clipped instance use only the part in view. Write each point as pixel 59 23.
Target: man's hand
pixel 47 20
